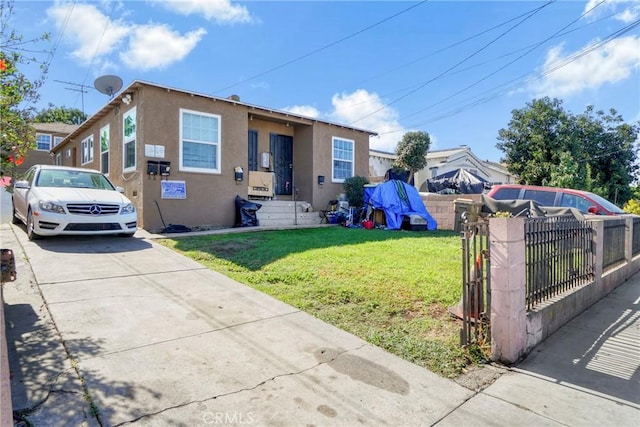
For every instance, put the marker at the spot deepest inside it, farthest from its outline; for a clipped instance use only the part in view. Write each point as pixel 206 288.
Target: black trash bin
pixel 246 215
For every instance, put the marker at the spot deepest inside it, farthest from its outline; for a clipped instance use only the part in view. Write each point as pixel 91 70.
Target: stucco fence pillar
pixel 508 289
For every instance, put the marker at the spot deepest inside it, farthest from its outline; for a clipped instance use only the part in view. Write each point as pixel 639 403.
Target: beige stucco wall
pixel 323 155
pixel 209 196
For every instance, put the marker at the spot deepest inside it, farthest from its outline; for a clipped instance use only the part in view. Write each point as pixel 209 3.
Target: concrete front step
pixel 286 212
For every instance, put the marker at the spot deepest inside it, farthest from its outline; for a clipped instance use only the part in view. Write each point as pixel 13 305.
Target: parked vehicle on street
pixel 59 200
pixel 585 201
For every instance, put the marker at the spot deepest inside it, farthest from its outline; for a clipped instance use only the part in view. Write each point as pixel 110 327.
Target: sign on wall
pixel 173 189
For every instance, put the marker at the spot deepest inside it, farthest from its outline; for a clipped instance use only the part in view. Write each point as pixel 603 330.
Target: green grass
pixel 391 288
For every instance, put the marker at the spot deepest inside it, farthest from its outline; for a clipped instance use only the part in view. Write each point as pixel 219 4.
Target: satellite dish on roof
pixel 108 84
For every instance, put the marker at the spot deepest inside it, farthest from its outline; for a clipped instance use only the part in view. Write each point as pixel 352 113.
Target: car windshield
pixel 606 204
pixel 72 179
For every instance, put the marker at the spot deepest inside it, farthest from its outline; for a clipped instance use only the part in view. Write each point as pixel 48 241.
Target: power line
pixel 325 47
pixel 508 86
pixel 534 47
pixel 506 55
pixel 436 52
pixel 422 85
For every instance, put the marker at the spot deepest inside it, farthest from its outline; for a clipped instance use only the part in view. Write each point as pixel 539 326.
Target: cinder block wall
pixel 442 207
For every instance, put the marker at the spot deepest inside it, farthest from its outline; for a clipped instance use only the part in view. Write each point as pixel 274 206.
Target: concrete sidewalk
pixel 112 331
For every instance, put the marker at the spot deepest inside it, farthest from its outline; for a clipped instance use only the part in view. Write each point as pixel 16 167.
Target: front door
pixel 281 147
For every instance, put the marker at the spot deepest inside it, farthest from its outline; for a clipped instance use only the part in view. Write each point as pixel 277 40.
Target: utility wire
pixel 488 61
pixel 530 76
pixel 325 47
pixel 468 57
pixel 458 43
pixel 95 54
pixel 534 47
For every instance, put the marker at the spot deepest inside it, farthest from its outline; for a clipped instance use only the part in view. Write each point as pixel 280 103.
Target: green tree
pixel 595 151
pixel 53 114
pixel 18 94
pixel 411 152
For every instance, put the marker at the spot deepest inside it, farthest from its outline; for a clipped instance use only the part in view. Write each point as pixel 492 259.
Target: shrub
pixel 632 207
pixel 354 190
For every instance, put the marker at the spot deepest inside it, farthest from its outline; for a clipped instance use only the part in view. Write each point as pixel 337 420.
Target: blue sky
pixel 453 69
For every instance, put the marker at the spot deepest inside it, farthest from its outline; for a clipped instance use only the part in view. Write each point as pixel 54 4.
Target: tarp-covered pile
pixel 398 199
pixel 459 181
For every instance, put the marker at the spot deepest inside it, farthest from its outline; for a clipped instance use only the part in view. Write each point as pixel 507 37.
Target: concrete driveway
pixel 157 339
pixel 114 331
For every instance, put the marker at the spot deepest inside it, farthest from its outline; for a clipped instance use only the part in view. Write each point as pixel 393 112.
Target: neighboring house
pixel 183 157
pixel 442 161
pixel 379 163
pixel 48 135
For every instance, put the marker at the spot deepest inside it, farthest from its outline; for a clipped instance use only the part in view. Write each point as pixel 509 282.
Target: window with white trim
pixel 104 149
pixel 129 140
pixel 43 141
pixel 87 149
pixel 199 142
pixel 59 159
pixel 57 140
pixel 342 165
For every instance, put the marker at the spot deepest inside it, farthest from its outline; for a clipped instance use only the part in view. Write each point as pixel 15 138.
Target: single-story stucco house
pixel 183 157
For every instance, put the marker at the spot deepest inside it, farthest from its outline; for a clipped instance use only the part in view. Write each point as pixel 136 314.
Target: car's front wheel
pixel 31 234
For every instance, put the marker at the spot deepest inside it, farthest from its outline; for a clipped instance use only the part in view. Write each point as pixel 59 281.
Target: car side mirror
pixel 593 210
pixel 120 189
pixel 21 184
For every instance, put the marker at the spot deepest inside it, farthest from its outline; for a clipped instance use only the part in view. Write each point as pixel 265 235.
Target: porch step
pixel 275 213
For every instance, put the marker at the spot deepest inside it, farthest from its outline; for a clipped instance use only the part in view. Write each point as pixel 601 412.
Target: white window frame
pixel 216 144
pixel 38 135
pixel 131 139
pixel 57 140
pixel 105 130
pixel 87 150
pixel 334 158
pixel 59 159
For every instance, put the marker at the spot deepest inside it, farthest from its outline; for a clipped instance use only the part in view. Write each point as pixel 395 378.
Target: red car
pixel 584 201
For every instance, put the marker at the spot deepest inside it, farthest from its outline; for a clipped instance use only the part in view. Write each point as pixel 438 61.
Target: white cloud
pixel 629 15
pixel 150 46
pixel 221 11
pixel 366 110
pixel 157 46
pixel 304 110
pixel 351 109
pixel 630 9
pixel 611 63
pixel 88 28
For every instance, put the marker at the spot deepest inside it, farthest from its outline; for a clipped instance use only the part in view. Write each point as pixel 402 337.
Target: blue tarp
pixel 397 199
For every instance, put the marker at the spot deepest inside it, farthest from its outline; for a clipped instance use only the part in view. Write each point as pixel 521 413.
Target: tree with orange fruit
pixel 18 93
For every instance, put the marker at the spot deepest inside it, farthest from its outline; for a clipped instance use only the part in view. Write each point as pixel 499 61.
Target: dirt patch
pixel 230 248
pixel 479 377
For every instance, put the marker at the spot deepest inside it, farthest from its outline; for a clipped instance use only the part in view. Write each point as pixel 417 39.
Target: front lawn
pixel 391 288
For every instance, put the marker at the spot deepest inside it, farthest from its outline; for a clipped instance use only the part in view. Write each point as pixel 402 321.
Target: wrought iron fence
pixel 614 242
pixel 476 286
pixel 559 256
pixel 635 247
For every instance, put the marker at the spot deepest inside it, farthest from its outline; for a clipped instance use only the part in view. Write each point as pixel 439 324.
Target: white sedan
pixel 59 200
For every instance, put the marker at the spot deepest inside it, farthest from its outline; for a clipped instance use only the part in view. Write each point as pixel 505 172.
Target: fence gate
pixel 475 305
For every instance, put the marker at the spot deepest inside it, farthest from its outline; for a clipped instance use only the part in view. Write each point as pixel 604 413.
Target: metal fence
pixel 476 286
pixel 635 248
pixel 559 256
pixel 614 236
